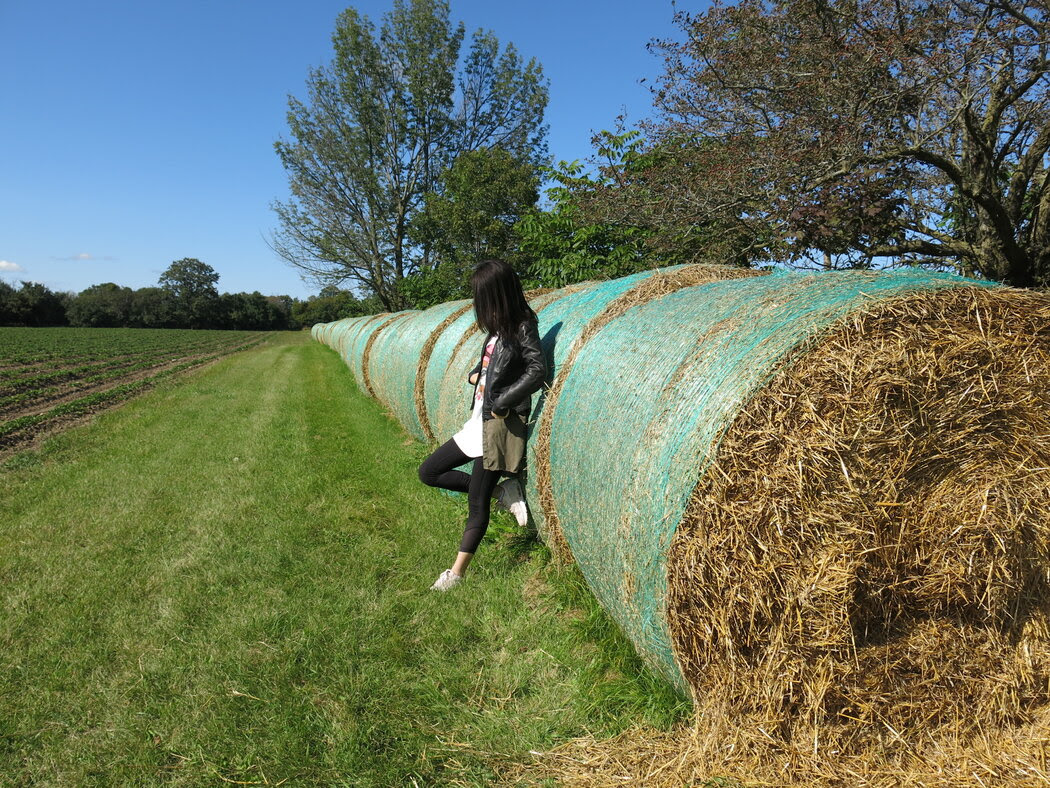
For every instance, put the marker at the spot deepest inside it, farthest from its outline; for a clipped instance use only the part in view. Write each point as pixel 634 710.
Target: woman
pixel 511 368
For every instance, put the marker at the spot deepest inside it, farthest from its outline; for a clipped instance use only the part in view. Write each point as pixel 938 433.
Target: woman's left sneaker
pixel 511 498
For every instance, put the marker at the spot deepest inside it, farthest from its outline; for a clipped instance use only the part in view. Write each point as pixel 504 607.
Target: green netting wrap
pixel 422 407
pixel 341 330
pixel 646 402
pixel 344 340
pixel 395 359
pixel 384 328
pixel 559 325
pixel 335 334
pixel 339 334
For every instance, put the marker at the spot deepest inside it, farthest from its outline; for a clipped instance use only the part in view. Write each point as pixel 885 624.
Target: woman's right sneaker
pixel 511 498
pixel 446 580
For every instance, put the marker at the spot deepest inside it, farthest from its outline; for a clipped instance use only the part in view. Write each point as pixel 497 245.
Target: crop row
pixel 104 384
pixel 106 367
pixel 66 381
pixel 27 346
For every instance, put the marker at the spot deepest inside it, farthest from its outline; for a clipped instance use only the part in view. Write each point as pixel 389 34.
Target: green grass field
pixel 226 580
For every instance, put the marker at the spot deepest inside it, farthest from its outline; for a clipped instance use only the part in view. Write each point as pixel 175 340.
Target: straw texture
pixel 709 753
pixel 898 577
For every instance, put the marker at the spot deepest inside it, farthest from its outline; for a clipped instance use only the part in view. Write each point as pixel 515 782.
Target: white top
pixel 469 437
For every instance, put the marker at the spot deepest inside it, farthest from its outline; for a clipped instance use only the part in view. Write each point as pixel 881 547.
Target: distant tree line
pixel 186 297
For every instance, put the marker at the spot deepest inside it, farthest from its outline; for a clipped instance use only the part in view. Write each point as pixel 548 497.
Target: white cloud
pixel 8 267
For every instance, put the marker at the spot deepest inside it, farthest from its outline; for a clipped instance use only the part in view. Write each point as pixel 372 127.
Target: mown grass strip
pixel 226 579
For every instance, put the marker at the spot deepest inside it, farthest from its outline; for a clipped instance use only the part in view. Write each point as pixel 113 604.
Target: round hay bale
pixel 644 405
pixel 366 354
pixel 565 327
pixel 869 549
pixel 395 357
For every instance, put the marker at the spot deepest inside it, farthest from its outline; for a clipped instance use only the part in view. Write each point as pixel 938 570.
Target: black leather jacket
pixel 516 369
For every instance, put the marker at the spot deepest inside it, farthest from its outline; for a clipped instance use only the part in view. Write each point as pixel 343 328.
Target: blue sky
pixel 138 132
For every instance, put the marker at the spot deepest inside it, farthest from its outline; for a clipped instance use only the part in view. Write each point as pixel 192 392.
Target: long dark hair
pixel 499 303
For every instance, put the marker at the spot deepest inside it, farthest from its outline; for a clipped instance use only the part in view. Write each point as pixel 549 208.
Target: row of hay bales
pixel 811 501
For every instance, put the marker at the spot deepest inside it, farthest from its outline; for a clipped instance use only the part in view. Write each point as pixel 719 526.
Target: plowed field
pixel 52 377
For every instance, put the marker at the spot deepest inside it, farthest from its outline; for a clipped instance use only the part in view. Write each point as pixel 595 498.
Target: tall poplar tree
pixel 393 110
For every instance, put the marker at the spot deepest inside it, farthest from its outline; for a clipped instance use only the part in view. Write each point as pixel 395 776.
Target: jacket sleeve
pixel 535 369
pixel 475 371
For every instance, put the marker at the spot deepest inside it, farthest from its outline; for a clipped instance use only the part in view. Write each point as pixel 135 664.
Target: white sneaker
pixel 447 579
pixel 511 498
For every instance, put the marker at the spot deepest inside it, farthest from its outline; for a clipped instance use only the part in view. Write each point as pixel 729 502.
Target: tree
pixel 7 304
pixel 843 132
pixel 643 188
pixel 469 216
pixel 191 285
pixel 102 306
pixel 380 122
pixel 35 304
pixel 332 304
pixel 153 307
pixel 249 312
pixel 561 244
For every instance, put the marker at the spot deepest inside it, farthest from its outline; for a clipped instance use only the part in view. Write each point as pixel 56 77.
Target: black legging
pixel 437 471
